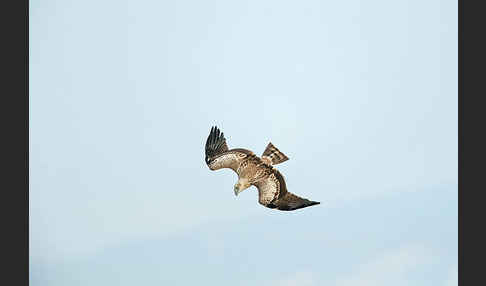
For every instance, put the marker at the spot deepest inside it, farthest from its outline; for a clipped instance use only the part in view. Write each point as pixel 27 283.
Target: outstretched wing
pixel 216 143
pixel 217 154
pixel 272 193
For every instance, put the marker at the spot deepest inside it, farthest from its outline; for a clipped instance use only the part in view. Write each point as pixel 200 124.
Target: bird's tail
pixel 273 155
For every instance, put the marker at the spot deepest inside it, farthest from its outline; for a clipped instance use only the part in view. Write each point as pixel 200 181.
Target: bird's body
pixel 254 170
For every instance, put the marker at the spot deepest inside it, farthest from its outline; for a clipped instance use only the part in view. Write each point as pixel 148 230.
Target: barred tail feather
pixel 273 155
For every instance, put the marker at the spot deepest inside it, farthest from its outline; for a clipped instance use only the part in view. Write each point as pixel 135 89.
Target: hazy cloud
pixel 396 267
pixel 452 279
pixel 301 278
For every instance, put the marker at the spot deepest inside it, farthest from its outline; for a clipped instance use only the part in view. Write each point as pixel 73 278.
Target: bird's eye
pixel 207 160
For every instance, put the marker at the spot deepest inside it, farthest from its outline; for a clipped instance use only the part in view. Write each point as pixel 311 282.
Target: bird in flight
pixel 254 170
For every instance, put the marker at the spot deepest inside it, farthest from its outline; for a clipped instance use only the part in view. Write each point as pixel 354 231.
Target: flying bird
pixel 254 170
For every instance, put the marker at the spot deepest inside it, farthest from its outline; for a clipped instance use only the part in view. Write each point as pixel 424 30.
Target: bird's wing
pixel 272 193
pixel 290 202
pixel 217 154
pixel 216 143
pixel 271 187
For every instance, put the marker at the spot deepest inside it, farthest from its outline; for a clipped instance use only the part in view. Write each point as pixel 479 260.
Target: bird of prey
pixel 256 171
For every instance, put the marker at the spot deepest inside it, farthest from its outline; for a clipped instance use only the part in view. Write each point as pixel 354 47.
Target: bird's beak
pixel 237 189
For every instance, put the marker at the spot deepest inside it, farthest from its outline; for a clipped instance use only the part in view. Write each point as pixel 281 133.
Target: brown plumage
pixel 256 171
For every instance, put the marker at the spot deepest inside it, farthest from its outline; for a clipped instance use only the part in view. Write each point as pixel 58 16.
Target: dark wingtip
pixel 311 203
pixel 215 141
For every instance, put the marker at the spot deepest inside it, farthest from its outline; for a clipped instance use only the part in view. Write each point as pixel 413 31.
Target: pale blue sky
pixel 361 95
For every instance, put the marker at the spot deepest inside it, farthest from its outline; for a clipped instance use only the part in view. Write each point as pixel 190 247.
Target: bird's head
pixel 241 185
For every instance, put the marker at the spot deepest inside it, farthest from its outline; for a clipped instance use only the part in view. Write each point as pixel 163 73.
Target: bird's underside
pixel 256 171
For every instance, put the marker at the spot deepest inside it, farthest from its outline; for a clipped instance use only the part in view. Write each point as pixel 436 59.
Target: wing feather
pixel 272 193
pixel 271 187
pixel 216 143
pixel 268 189
pixel 290 202
pixel 217 154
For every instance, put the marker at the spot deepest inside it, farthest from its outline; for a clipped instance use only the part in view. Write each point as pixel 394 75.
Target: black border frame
pixel 15 142
pixel 460 18
pixel 471 49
